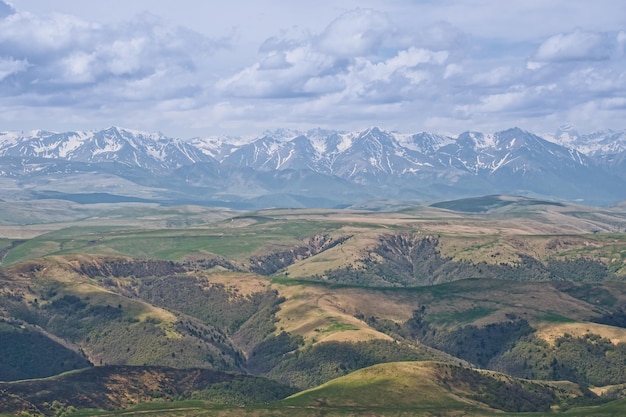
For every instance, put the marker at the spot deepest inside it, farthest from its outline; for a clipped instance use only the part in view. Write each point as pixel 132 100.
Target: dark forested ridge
pixel 115 387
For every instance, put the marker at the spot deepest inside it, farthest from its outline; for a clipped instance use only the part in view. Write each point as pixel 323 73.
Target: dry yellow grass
pixel 348 253
pixel 320 315
pixel 603 390
pixel 551 332
pixel 239 283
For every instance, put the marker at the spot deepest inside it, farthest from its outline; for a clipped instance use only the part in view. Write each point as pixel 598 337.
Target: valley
pixel 315 209
pixel 497 305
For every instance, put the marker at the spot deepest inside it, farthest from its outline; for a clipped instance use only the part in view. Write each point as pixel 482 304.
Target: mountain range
pixel 316 168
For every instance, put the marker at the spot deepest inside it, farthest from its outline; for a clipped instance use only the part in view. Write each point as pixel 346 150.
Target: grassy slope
pixel 400 389
pixel 407 385
pixel 236 239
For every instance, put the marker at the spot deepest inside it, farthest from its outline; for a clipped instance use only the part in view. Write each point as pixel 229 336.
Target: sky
pixel 204 68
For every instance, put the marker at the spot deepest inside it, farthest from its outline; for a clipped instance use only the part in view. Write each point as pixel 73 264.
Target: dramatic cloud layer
pixel 440 66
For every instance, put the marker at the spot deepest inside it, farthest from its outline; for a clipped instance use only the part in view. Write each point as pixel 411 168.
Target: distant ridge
pixel 491 202
pixel 316 168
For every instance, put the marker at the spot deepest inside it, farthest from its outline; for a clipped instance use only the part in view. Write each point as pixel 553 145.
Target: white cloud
pixel 125 56
pixel 621 44
pixel 575 46
pixel 10 66
pixel 288 79
pixel 393 79
pixel 25 34
pixel 6 9
pixel 452 70
pixel 356 33
pixel 70 60
pixel 408 65
pixel 614 103
pixel 290 38
pixel 77 67
pixel 274 61
pixel 346 59
pixel 441 36
pixel 503 76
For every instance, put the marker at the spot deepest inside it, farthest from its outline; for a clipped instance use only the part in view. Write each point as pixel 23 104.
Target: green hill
pixel 429 386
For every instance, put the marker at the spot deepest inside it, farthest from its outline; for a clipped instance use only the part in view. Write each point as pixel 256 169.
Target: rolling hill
pixel 508 293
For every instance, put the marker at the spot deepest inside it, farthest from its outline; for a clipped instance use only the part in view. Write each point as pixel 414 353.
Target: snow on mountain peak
pixel 283 135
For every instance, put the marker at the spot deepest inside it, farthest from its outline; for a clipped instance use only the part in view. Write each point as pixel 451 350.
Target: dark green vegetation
pixel 531 289
pixel 28 353
pixel 490 203
pixel 115 387
pixel 588 360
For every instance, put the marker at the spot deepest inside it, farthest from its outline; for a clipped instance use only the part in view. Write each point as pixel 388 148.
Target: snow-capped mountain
pixel 322 167
pixel 607 148
pixel 599 143
pixel 132 148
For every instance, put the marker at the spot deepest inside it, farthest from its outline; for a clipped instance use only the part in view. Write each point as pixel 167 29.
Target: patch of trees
pixel 73 305
pixel 138 268
pixel 271 352
pixel 592 294
pixel 502 393
pixel 244 390
pixel 616 318
pixel 245 320
pixel 259 326
pixel 212 303
pixel 477 345
pixel 511 347
pixel 578 269
pixel 26 353
pixel 277 260
pixel 589 359
pixel 210 263
pixel 221 353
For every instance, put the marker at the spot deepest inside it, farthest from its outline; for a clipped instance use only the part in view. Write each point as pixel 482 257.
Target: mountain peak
pixel 382 162
pixel 282 134
pixel 374 130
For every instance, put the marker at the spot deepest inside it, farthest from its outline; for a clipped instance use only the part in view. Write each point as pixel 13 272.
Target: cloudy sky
pixel 199 68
